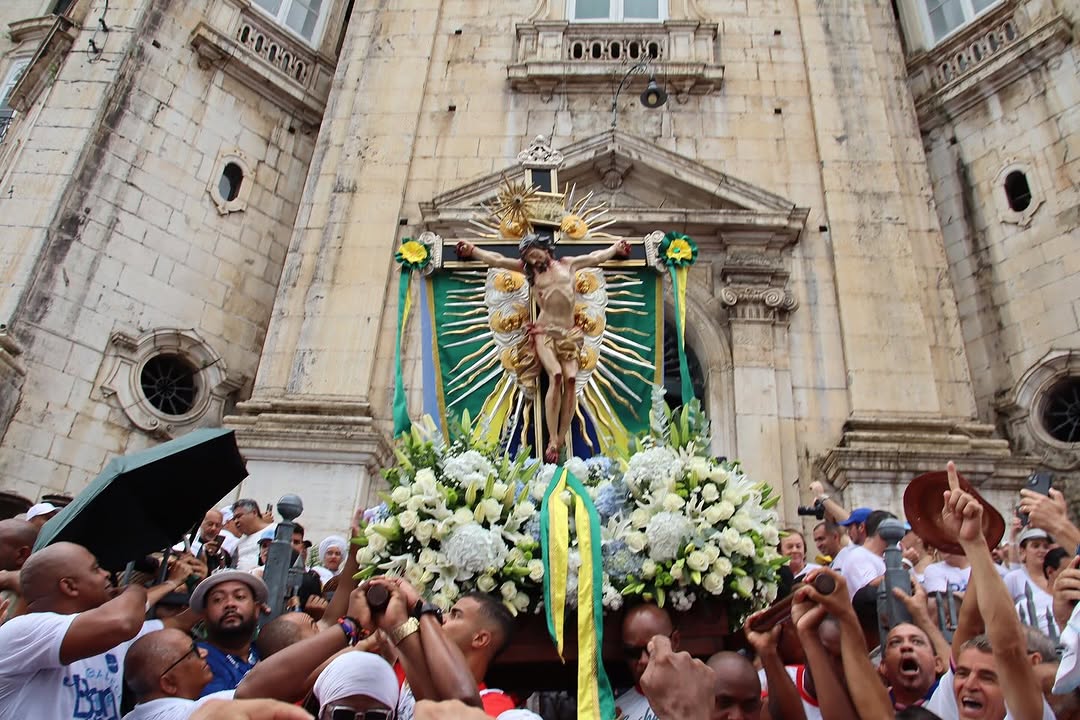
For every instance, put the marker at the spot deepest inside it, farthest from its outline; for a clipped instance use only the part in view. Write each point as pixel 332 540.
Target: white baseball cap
pixel 41 509
pixel 1032 533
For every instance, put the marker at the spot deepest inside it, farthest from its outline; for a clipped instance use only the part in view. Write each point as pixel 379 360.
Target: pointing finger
pixel 954 479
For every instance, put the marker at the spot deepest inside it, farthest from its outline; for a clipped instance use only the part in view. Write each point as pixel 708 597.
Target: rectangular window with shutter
pixel 304 18
pixel 944 17
pixel 616 10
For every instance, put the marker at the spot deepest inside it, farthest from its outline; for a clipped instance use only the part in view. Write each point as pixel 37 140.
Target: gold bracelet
pixel 404 630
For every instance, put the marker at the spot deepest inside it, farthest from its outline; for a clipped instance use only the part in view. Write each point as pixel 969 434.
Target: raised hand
pixel 622 248
pixel 916 602
pixel 315 606
pixel 359 610
pixel 678 686
pixel 836 603
pixel 1066 592
pixel 961 516
pixel 465 249
pixel 764 643
pixel 1047 512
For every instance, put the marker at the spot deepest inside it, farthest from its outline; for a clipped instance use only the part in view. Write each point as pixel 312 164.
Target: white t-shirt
pixel 228 544
pixel 1016 580
pixel 1044 605
pixel 632 705
pixel 35 685
pixel 807 568
pixel 797 673
pixel 173 708
pixel 858 566
pixel 247 549
pixel 943 702
pixel 939 576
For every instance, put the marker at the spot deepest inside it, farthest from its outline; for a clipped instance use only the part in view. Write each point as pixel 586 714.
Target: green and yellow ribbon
pixel 679 252
pixel 413 256
pixel 595 700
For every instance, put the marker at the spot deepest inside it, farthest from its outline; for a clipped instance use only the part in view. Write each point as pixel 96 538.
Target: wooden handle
pixel 780 610
pixel 378 597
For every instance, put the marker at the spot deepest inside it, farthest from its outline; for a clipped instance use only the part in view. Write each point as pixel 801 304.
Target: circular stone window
pixel 169 384
pixel 1061 410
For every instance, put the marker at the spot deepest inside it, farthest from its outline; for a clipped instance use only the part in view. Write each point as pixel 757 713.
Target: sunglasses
pixel 194 650
pixel 633 652
pixel 342 712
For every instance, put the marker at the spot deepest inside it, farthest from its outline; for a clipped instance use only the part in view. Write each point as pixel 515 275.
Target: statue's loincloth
pixel 565 343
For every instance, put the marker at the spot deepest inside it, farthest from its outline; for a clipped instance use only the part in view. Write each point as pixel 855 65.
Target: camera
pixel 816 510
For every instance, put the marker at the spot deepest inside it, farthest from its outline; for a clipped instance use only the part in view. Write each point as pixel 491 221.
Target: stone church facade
pixel 200 203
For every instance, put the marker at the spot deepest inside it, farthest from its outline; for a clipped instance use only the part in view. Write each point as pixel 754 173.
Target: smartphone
pixel 1039 482
pixel 269 510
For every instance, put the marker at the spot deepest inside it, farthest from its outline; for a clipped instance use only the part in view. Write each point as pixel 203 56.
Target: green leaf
pixel 695 576
pixel 660 597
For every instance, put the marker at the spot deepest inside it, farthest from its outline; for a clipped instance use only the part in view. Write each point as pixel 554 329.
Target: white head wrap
pixel 329 542
pixel 357 673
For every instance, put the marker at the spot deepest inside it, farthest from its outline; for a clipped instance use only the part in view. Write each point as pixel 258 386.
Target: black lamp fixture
pixel 653 96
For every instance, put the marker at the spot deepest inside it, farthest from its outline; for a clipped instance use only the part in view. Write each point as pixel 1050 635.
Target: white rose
pixel 636 541
pixel 673 502
pixel 414 503
pixel 770 590
pixel 499 490
pixel 678 574
pixel 376 542
pixel 400 495
pixel 424 530
pixel 408 520
pixel 699 466
pixel 515 557
pixel 508 590
pixel 428 558
pixel 770 535
pixel 697 560
pixel 463 516
pixel 536 570
pixel 425 481
pixel 639 518
pixel 722 567
pixel 489 510
pixel 741 522
pixel 728 540
pixel 709 493
pixel 521 602
pixel 744 585
pixel 713 583
pixel 365 556
pixel 745 546
pixel 415 575
pixel 712 553
pixel 485 583
pixel 441 528
pixel 724 509
pixel 648 569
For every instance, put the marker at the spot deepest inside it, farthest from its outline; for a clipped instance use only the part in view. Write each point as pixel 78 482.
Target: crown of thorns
pixel 534 240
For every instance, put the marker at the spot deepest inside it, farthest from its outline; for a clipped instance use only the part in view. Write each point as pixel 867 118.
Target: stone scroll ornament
pixel 413 256
pixel 678 252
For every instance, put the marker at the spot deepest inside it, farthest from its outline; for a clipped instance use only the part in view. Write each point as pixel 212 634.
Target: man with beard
pixel 62 659
pixel 230 602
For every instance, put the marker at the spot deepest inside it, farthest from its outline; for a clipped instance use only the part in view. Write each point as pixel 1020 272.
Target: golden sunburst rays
pixel 590 213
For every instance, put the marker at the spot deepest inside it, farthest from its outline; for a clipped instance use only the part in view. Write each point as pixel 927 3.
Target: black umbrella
pixel 146 501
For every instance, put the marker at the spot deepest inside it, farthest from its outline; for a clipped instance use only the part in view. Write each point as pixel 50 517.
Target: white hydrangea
pixel 681 600
pixel 468 468
pixel 657 465
pixel 667 533
pixel 577 468
pixel 472 549
pixel 613 599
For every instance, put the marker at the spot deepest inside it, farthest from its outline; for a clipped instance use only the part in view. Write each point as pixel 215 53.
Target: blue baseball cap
pixel 858 515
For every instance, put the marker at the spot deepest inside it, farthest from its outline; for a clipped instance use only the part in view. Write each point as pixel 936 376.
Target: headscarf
pixel 332 541
pixel 357 673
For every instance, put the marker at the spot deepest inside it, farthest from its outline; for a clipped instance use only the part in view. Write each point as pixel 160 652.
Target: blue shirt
pixel 228 669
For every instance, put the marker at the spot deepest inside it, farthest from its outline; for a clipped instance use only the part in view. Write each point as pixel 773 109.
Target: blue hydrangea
pixel 532 527
pixel 611 500
pixel 378 513
pixel 620 562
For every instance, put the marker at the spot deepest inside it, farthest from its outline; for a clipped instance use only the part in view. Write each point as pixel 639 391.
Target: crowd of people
pixel 990 632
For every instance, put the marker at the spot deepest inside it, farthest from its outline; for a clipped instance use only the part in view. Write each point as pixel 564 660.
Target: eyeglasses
pixel 194 650
pixel 344 712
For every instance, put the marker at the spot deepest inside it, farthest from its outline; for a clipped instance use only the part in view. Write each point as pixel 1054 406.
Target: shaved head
pixel 16 542
pixel 284 630
pixel 737 690
pixel 63 577
pixel 641 624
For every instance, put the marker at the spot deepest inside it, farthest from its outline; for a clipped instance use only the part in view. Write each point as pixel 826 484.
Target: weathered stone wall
pixel 109 226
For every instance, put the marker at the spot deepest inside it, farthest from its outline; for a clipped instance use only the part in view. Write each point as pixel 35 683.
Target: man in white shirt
pixel 250 522
pixel 1055 561
pixel 859 565
pixel 63 659
pixel 640 624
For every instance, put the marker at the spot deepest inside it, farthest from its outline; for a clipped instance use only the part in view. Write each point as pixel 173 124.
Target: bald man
pixel 738 689
pixel 284 630
pixel 63 658
pixel 16 542
pixel 640 624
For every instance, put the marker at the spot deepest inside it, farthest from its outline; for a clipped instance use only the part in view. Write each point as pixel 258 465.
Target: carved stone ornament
pixel 434 244
pixel 540 155
pixel 121 380
pixel 771 297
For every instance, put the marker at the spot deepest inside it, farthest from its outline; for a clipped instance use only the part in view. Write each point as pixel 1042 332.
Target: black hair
pixel 246 504
pixel 1053 560
pixel 874 520
pixel 914 712
pixel 499 616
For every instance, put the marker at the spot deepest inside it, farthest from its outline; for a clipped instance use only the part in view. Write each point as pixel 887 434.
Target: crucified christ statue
pixel 554 338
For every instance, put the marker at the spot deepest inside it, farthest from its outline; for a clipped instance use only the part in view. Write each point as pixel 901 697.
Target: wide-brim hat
pixel 198 596
pixel 924 500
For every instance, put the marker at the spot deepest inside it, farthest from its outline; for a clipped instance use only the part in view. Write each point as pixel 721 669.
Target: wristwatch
pixel 423 607
pixel 404 630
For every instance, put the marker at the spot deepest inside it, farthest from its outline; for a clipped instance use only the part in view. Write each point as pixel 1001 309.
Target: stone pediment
pixel 647 187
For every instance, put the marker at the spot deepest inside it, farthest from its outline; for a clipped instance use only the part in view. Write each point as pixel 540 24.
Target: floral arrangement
pixel 678 524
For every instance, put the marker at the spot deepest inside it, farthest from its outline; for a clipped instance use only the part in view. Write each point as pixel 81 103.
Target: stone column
pixel 309 425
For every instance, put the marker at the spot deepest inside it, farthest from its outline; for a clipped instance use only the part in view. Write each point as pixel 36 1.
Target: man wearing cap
pixel 231 602
pixel 1033 544
pixel 855 563
pixel 41 513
